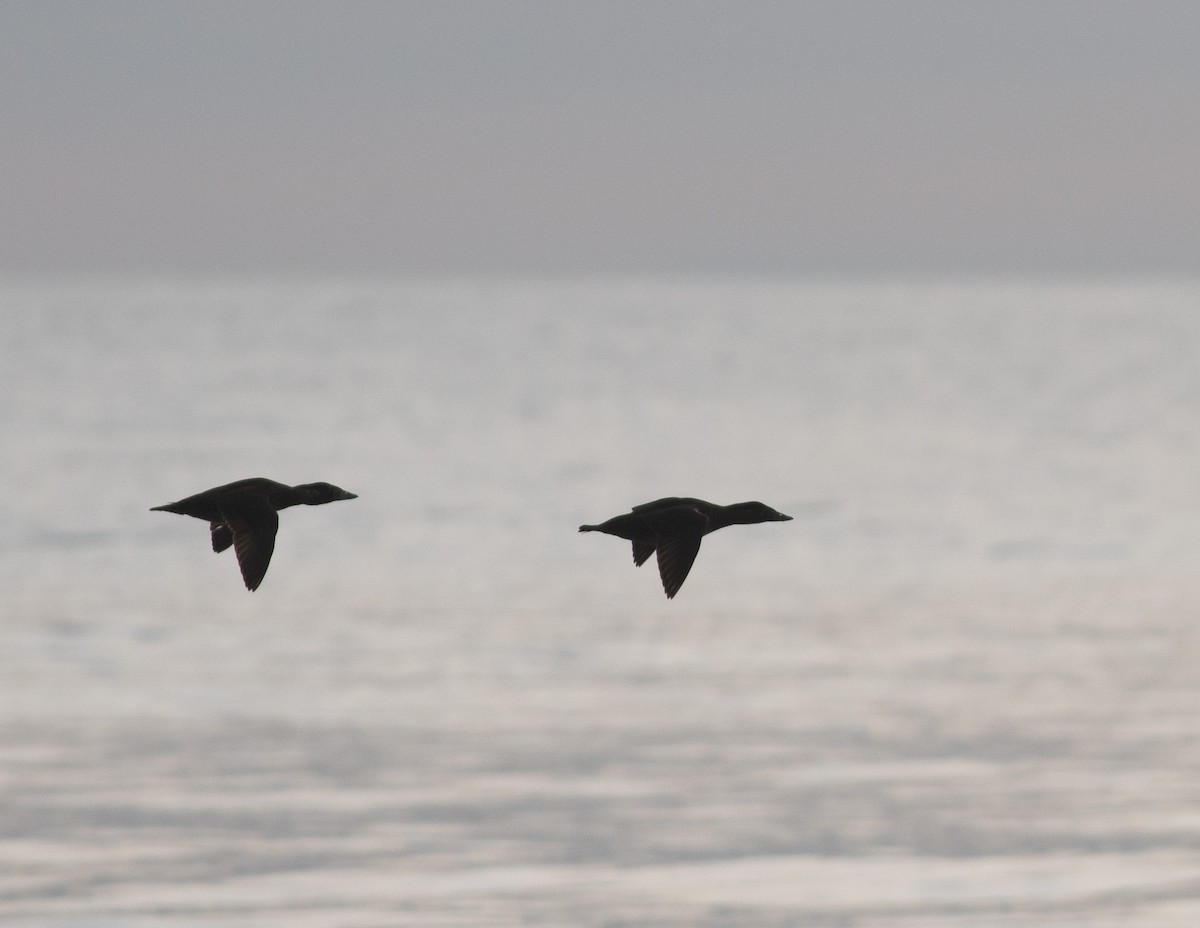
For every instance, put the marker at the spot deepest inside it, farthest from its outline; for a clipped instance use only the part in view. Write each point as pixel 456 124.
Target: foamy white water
pixel 959 689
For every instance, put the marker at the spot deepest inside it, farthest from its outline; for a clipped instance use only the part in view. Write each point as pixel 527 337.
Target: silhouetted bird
pixel 245 514
pixel 674 526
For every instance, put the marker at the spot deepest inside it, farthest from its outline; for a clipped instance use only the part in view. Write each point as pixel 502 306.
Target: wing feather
pixel 253 528
pixel 675 558
pixel 642 551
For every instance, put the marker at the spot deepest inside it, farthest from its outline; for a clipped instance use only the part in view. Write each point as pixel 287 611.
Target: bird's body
pixel 245 514
pixel 673 526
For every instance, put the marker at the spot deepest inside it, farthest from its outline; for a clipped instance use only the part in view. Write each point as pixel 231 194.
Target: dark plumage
pixel 673 527
pixel 245 514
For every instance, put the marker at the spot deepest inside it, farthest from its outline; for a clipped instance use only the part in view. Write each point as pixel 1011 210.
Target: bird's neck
pixel 735 514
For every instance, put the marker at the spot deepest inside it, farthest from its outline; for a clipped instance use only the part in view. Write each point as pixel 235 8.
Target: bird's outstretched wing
pixel 253 529
pixel 222 538
pixel 642 551
pixel 675 558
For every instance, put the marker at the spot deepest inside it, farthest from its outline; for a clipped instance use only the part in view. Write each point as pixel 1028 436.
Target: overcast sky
pixel 846 137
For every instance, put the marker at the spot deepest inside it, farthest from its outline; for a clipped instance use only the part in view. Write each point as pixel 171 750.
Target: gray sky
pixel 966 136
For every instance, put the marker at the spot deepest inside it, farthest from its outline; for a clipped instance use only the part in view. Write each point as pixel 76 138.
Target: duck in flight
pixel 673 527
pixel 245 514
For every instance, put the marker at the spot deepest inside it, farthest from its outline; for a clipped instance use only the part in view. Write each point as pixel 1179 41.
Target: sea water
pixel 961 688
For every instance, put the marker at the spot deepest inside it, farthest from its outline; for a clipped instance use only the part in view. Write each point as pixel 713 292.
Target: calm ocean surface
pixel 962 688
